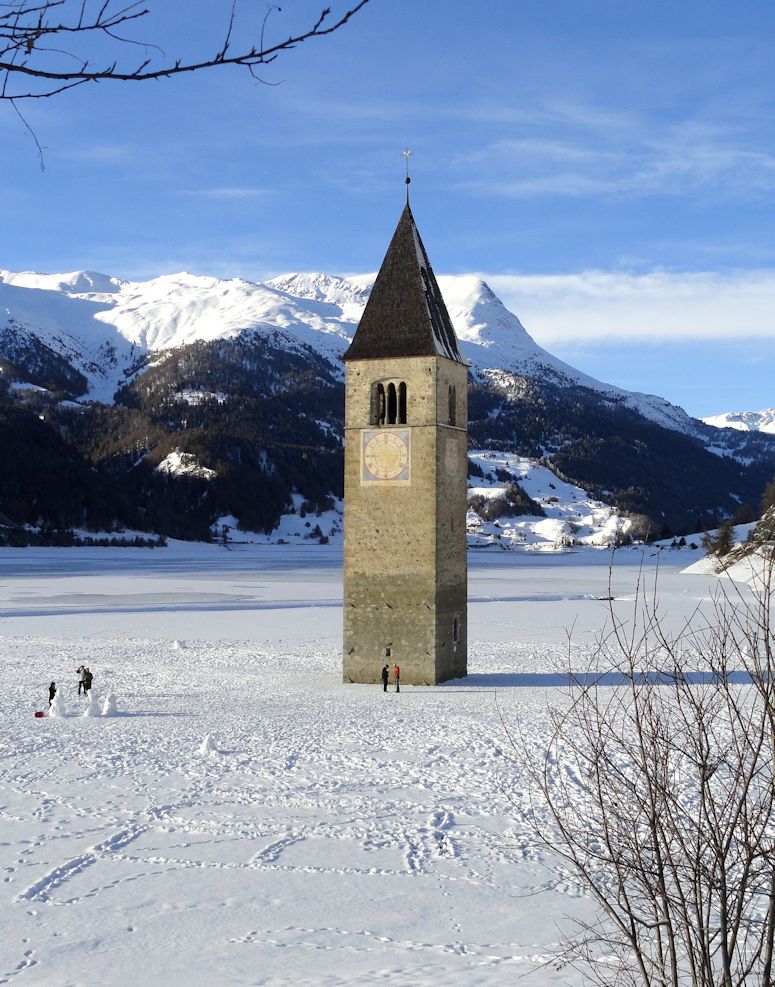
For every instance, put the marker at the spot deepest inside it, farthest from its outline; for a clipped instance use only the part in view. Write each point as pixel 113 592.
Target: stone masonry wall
pixel 400 537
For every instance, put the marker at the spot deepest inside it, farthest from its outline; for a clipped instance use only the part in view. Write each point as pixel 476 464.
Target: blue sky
pixel 608 166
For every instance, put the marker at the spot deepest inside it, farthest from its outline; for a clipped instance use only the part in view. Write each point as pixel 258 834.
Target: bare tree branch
pixel 29 68
pixel 32 134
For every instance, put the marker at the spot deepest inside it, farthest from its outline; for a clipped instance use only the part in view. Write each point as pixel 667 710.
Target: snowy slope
pixel 573 518
pixel 62 312
pixel 745 421
pixel 74 283
pixel 494 340
pixel 184 464
pixel 328 834
pixel 102 324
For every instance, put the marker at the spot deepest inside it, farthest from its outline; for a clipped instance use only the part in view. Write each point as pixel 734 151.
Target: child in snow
pixel 81 672
pixel 52 691
pixel 87 677
pixel 397 673
pixel 385 674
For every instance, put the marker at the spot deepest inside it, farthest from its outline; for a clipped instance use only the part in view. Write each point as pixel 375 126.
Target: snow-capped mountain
pixel 494 340
pixel 104 326
pixel 246 378
pixel 745 421
pixel 101 324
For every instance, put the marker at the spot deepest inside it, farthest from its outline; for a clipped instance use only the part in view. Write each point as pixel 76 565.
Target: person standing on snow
pixel 397 674
pixel 385 674
pixel 87 677
pixel 81 672
pixel 52 691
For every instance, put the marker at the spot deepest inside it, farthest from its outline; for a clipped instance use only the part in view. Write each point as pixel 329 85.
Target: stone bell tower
pixel 405 574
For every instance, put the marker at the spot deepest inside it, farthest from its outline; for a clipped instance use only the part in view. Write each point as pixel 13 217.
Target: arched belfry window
pixel 378 404
pixel 452 417
pixel 388 403
pixel 392 404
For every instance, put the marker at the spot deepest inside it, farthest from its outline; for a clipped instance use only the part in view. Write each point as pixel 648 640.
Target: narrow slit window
pixel 392 404
pixel 456 631
pixel 402 403
pixel 452 402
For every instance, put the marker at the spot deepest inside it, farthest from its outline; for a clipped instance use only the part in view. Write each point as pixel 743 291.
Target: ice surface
pixel 341 836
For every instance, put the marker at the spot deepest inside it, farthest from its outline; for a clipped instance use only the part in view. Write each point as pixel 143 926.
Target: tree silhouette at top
pixel 49 46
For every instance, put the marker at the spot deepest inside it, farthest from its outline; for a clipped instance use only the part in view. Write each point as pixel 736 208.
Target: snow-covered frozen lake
pixel 337 835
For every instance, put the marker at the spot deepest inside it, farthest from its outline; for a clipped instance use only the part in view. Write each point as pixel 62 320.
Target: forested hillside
pixel 106 384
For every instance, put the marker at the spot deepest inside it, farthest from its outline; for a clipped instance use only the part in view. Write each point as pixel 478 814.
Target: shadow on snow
pixel 554 680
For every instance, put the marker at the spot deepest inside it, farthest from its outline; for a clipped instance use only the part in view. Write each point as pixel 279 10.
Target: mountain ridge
pixel 745 421
pixel 177 309
pixel 247 377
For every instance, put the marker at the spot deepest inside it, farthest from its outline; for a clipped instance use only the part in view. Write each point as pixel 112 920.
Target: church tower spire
pixel 405 576
pixel 405 314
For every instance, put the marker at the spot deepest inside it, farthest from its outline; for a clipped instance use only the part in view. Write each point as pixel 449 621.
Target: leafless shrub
pixel 656 792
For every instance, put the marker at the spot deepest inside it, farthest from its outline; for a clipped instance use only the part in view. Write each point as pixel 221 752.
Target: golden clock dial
pixel 386 455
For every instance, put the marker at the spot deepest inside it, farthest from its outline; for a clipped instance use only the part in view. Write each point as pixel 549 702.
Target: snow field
pixel 326 834
pixel 370 828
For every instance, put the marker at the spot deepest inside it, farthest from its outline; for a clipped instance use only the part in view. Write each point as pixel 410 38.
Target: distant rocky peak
pixel 320 288
pixel 479 315
pixel 745 421
pixel 90 282
pixel 72 283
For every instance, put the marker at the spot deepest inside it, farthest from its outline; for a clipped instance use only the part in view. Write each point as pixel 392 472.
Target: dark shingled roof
pixel 405 314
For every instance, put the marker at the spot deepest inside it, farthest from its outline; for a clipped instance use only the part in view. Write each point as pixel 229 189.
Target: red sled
pixel 40 713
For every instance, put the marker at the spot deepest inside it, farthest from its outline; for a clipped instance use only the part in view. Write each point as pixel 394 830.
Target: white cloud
pixel 228 192
pixel 660 305
pixel 617 155
pixel 101 154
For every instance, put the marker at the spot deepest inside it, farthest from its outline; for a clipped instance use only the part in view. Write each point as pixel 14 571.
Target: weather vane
pixel 407 154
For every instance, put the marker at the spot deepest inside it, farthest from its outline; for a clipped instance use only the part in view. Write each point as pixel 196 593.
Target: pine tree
pixel 721 541
pixel 768 497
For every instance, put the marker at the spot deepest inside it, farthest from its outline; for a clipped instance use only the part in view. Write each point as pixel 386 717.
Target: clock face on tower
pixel 385 455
